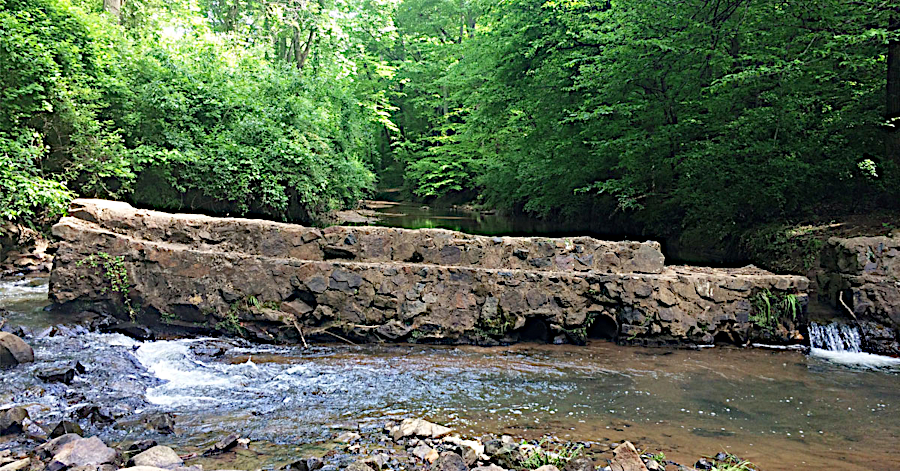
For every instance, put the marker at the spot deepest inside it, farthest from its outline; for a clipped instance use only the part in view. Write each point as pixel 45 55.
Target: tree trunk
pixel 302 55
pixel 892 111
pixel 114 7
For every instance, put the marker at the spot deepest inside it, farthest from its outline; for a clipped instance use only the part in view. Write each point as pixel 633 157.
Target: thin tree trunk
pixel 304 54
pixel 892 111
pixel 114 7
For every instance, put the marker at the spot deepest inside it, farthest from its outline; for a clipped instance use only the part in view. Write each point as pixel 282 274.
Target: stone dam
pixel 177 274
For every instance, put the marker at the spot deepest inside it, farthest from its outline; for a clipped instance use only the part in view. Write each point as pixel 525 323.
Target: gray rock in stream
pixel 64 427
pixel 158 457
pixel 11 420
pixel 163 423
pixel 449 462
pixel 82 452
pixel 14 351
pixel 579 464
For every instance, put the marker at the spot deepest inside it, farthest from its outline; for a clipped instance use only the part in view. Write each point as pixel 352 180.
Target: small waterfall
pixel 835 337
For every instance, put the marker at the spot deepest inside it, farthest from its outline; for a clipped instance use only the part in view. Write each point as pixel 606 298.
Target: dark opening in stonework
pixel 604 327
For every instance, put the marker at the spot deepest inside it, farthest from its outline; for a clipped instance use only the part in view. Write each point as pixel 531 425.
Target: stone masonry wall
pixel 271 282
pixel 861 277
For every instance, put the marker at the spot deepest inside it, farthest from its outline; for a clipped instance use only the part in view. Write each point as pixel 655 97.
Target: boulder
pixel 64 427
pixel 347 437
pixel 50 448
pixel 141 445
pixel 82 452
pixel 626 458
pixel 223 445
pixel 158 457
pixel 579 464
pixel 419 428
pixel 449 462
pixel 358 466
pixel 162 423
pixel 57 374
pixel 12 420
pixel 425 453
pixel 14 351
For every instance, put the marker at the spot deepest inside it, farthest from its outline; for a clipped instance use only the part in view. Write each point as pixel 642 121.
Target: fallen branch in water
pixel 300 331
pixel 850 311
pixel 338 337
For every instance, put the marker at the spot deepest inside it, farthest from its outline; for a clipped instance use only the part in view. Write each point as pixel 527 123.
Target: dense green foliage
pixel 166 112
pixel 695 118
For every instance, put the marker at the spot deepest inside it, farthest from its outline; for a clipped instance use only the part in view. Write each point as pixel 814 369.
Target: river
pixel 779 409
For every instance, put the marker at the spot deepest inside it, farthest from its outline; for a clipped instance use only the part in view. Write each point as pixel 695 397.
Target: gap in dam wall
pixel 285 283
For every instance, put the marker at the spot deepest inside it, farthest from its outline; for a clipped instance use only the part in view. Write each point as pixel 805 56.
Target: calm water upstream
pixel 781 410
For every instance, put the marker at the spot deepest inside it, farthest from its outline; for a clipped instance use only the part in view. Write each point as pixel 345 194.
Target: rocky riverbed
pixel 407 445
pixel 778 409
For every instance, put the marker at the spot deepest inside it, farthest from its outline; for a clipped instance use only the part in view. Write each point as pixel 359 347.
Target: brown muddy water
pixel 778 409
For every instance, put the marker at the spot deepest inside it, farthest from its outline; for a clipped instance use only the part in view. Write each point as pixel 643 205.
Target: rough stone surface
pixel 17 465
pixel 82 452
pixel 14 350
pixel 449 462
pixel 358 466
pixel 626 458
pixel 419 428
pixel 158 457
pixel 12 420
pixel 269 282
pixel 579 464
pixel 861 277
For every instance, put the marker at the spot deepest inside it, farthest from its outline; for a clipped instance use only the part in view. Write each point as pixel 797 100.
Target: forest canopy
pixel 698 117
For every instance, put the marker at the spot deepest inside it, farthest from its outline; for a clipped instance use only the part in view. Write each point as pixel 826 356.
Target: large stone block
pixel 196 273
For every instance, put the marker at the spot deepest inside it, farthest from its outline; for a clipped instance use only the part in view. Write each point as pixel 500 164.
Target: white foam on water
pixel 171 361
pixel 24 288
pixel 856 359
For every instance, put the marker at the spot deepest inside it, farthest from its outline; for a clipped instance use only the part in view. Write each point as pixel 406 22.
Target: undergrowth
pixel 771 309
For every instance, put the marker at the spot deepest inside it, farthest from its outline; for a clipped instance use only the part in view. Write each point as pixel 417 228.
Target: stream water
pixel 779 409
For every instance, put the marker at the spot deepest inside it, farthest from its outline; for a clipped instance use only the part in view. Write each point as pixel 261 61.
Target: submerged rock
pixel 14 351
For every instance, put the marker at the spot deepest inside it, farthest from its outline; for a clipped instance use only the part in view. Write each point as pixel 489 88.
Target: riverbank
pixel 411 444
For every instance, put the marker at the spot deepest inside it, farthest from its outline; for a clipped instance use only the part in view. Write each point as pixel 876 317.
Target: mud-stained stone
pixel 266 280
